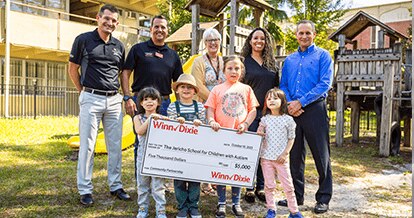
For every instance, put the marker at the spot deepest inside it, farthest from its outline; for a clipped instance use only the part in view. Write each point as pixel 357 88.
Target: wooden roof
pixel 183 35
pixel 358 23
pixel 90 7
pixel 212 8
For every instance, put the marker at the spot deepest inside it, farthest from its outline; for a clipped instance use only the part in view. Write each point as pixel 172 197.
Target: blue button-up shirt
pixel 307 76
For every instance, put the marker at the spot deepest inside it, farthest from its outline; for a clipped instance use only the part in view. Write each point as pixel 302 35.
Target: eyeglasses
pixel 212 40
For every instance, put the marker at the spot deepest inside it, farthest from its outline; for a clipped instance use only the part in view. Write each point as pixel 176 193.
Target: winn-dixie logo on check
pixel 180 128
pixel 234 177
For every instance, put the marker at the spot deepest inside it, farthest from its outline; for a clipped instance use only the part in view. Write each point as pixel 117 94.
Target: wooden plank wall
pixel 369 72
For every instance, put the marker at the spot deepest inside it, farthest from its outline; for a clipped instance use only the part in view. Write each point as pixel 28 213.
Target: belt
pixel 100 92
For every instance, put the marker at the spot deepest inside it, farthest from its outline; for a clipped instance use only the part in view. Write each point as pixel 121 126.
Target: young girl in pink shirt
pixel 278 128
pixel 231 104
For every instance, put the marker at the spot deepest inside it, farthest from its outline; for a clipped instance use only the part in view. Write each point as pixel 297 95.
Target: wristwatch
pixel 126 98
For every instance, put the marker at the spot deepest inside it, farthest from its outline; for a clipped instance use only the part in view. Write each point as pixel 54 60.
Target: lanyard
pixel 218 66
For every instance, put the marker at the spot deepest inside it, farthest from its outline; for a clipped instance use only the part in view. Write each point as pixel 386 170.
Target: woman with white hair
pixel 208 72
pixel 208 68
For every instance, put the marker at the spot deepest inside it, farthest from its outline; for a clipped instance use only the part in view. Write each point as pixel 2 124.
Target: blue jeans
pixel 235 194
pixel 187 194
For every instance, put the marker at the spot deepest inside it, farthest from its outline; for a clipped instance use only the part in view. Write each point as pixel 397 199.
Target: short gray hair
pixel 306 22
pixel 211 32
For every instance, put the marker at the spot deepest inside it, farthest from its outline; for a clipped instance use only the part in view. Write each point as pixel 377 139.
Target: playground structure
pixel 364 75
pixel 234 41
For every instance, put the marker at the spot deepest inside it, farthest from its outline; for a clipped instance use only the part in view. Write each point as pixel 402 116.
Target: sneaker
pixel 260 195
pixel 194 213
pixel 142 212
pixel 237 211
pixel 249 197
pixel 296 215
pixel 182 213
pixel 221 211
pixel 270 214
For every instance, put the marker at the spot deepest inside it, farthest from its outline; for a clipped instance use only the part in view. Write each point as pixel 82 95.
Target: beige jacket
pixel 199 73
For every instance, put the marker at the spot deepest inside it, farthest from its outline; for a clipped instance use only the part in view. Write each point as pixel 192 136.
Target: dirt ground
pixel 374 195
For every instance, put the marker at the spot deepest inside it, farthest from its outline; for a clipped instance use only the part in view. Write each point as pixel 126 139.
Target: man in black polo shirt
pixel 100 58
pixel 154 64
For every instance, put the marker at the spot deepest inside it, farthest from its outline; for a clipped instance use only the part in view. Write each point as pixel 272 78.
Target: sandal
pixel 208 190
pixel 249 197
pixel 261 195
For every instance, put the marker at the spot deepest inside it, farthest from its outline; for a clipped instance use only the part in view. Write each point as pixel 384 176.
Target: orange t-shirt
pixel 231 103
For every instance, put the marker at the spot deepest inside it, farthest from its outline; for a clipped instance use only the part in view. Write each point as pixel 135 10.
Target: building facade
pixel 35 40
pixel 395 15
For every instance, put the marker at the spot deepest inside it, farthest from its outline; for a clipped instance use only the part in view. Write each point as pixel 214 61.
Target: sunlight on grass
pixel 38 177
pixel 30 132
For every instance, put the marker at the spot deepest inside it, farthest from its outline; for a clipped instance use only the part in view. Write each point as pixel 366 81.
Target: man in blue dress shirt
pixel 306 78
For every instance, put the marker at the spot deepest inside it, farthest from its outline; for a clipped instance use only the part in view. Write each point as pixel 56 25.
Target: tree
pixel 177 16
pixel 324 13
pixel 271 18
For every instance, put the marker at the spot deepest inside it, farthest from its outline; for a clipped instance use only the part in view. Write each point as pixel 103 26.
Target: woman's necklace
pixel 217 65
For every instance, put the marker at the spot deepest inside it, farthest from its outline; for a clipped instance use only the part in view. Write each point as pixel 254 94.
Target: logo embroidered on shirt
pixel 149 54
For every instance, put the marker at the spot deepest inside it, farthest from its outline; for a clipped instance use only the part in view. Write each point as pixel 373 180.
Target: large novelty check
pixel 187 152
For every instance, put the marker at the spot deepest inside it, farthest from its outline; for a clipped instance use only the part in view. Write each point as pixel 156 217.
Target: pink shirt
pixel 231 103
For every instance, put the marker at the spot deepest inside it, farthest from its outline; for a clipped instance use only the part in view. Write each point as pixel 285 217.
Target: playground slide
pixel 128 136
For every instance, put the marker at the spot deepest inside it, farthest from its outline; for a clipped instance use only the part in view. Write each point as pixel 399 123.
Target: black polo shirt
pixel 100 62
pixel 260 79
pixel 153 66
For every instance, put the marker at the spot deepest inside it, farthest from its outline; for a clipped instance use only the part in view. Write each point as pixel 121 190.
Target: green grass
pixel 38 174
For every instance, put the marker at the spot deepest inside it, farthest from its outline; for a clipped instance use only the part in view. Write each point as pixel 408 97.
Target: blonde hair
pixel 230 58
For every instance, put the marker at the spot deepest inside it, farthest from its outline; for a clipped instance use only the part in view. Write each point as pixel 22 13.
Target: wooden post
pixel 386 116
pixel 233 23
pixel 355 115
pixel 223 28
pixel 407 131
pixel 195 26
pixel 408 80
pixel 258 16
pixel 339 138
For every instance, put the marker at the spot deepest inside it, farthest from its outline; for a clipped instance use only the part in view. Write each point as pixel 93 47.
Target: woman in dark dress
pixel 262 75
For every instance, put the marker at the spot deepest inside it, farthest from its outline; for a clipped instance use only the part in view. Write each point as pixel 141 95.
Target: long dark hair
pixel 148 92
pixel 268 56
pixel 281 95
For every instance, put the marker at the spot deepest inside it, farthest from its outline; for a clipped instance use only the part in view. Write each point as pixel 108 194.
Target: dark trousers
pixel 259 174
pixel 313 125
pixel 187 194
